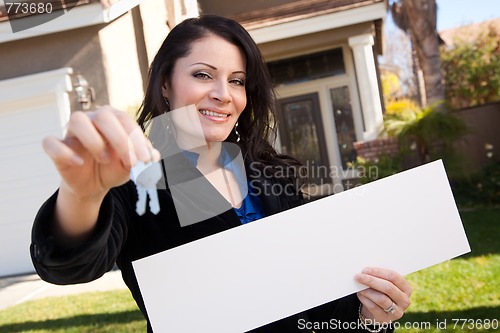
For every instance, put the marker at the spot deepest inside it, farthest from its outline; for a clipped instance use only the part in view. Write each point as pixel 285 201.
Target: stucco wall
pixel 106 55
pixel 155 29
pixel 483 137
pixel 121 64
pixel 79 49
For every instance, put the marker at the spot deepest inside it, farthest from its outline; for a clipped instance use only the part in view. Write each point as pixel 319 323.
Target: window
pixel 344 124
pixel 307 67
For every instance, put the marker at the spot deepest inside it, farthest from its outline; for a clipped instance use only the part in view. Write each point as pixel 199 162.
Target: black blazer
pixel 122 236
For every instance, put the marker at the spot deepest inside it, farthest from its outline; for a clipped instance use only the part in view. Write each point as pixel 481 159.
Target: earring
pixel 167 103
pixel 169 124
pixel 238 136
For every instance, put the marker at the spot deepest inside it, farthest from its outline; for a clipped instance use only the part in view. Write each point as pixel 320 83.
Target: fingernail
pixel 104 157
pixel 77 160
pixel 131 158
pixel 147 154
pixel 361 277
pixel 367 270
pixel 156 155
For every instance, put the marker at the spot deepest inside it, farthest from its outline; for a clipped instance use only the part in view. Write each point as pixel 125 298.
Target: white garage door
pixel 31 107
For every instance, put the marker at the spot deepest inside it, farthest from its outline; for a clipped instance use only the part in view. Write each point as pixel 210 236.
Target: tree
pixel 418 19
pixel 398 53
pixel 472 67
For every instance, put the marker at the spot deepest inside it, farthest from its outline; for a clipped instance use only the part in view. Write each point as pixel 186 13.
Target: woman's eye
pixel 202 75
pixel 238 82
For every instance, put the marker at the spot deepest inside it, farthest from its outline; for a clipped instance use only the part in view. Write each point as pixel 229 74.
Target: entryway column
pixel 366 75
pixel 179 10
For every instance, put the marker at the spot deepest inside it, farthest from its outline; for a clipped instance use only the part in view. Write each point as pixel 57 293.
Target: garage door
pixel 31 107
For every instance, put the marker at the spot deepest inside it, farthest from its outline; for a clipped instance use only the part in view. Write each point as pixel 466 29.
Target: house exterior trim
pixel 366 73
pixel 78 17
pixel 37 84
pixel 319 23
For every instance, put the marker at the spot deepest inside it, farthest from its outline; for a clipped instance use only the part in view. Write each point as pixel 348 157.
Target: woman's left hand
pixel 387 296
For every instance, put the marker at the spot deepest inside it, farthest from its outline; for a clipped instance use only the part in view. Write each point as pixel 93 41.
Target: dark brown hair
pixel 257 122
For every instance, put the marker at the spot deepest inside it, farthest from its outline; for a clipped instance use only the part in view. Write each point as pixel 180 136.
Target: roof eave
pixel 309 25
pixel 78 17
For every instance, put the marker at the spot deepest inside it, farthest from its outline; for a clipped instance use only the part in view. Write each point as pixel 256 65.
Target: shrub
pixel 385 165
pixel 429 132
pixel 472 70
pixel 401 107
pixel 480 189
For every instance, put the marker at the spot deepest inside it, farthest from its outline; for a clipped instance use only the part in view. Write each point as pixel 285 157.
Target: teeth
pixel 213 114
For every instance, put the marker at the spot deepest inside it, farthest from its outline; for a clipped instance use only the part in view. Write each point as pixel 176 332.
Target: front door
pixel 302 135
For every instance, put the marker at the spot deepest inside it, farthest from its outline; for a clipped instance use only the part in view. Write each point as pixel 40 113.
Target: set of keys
pixel 146 176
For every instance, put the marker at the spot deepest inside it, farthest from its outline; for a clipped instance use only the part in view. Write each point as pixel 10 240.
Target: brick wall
pixel 371 150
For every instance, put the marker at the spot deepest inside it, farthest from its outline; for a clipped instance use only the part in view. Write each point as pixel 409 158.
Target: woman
pixel 212 65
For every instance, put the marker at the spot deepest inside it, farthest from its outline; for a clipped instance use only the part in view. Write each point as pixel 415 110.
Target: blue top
pixel 251 208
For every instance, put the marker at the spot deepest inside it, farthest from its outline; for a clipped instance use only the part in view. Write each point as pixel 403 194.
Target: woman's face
pixel 212 78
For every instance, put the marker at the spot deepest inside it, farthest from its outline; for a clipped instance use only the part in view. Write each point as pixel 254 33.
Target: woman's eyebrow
pixel 205 64
pixel 215 68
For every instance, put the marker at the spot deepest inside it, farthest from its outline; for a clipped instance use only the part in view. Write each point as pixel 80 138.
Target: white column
pixel 179 10
pixel 366 75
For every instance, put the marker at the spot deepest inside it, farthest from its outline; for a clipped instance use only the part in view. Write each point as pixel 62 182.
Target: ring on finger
pixel 391 309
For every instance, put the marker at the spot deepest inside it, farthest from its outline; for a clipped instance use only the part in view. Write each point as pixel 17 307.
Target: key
pixel 146 176
pixel 154 204
pixel 140 206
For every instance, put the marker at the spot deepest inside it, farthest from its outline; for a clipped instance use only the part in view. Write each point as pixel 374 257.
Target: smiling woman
pixel 212 77
pixel 210 102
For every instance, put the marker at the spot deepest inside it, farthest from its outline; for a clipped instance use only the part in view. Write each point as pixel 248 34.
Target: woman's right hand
pixel 98 151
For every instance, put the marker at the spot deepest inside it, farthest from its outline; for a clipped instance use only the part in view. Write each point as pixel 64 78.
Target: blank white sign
pixel 269 269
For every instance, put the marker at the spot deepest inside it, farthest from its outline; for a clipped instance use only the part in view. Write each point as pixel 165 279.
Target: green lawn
pixel 113 311
pixel 464 292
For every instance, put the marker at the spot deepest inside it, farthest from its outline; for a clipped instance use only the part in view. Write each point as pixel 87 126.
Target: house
pixel 468 33
pixel 44 75
pixel 322 58
pixel 321 55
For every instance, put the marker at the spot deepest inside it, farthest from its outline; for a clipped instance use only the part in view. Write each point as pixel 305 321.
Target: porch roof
pixel 297 10
pixel 280 21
